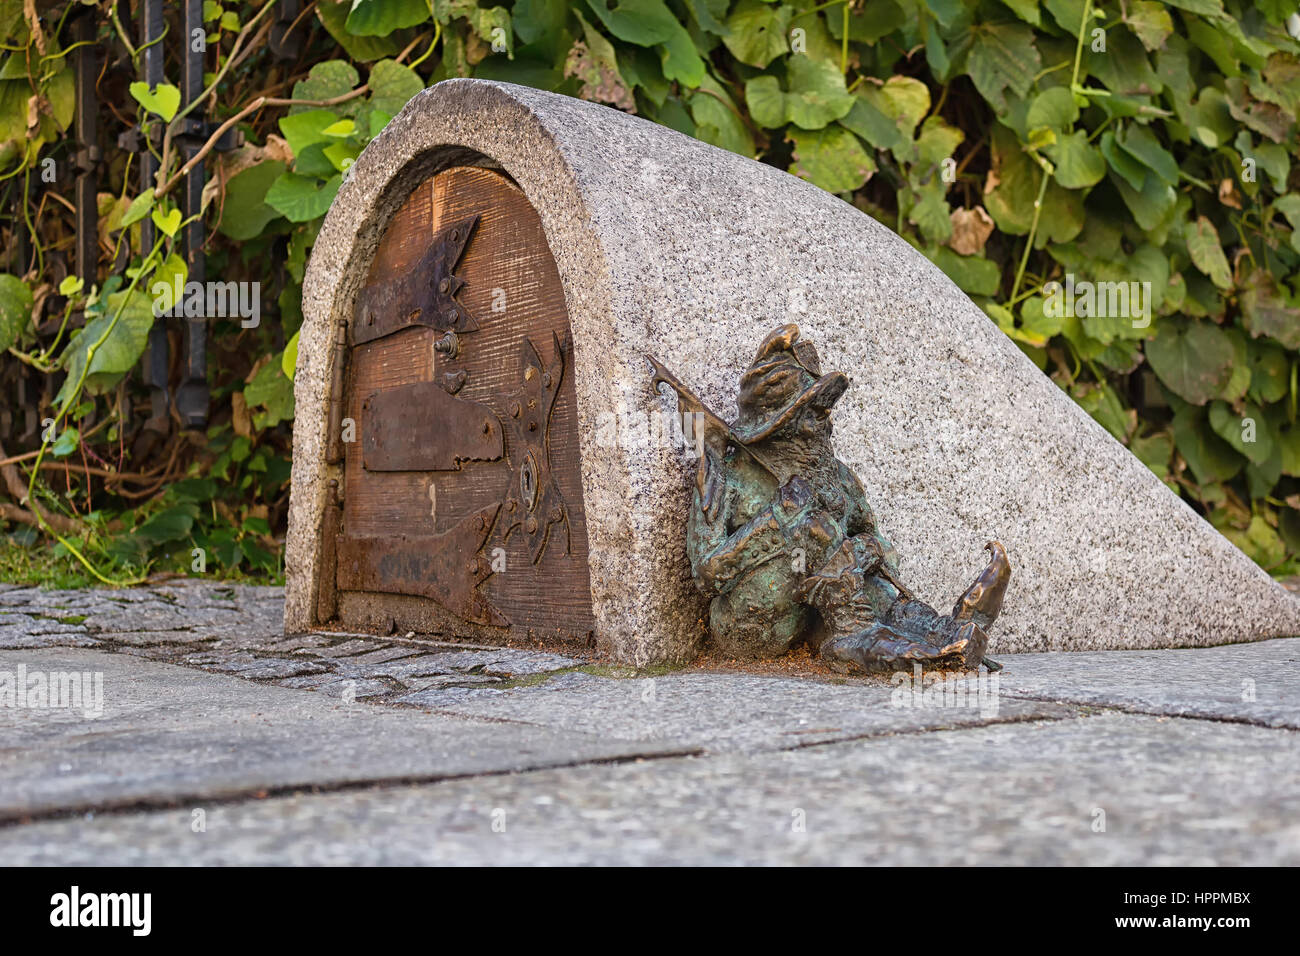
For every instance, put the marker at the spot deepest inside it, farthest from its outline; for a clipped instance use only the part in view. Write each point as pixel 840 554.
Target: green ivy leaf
pixel 378 18
pixel 1003 56
pixel 757 32
pixel 289 358
pixel 1259 541
pixel 69 441
pixel 1035 324
pixel 1101 402
pixel 493 25
pixel 301 130
pixel 245 213
pixel 15 309
pixel 163 100
pixel 1054 108
pixel 1078 163
pixel 326 81
pixel 643 22
pixel 937 142
pixel 1269 372
pixel 1154 451
pixel 341 155
pixel 831 158
pixel 1215 42
pixel 1288 440
pixel 1210 458
pixel 1207 252
pixel 1123 69
pixel 870 22
pixel 167 222
pixel 927 209
pixel 334 14
pixel 1266 311
pixel 533 20
pixel 1150 22
pixel 1140 143
pixel 170 524
pixel 170 275
pixel 1211 119
pixel 1026 10
pixel 61 90
pixel 1193 359
pixel 1011 201
pixel 1151 205
pixel 1247 432
pixel 1289 206
pixel 974 275
pixel 706 13
pixel 1126 166
pixel 138 209
pixel 300 198
pixel 717 120
pixel 651 23
pixel 1205 8
pixel 392 85
pixel 272 391
pixel 341 130
pixel 901 102
pixel 119 351
pixel 816 96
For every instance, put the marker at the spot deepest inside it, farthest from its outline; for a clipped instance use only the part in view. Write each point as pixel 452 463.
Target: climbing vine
pixel 1113 183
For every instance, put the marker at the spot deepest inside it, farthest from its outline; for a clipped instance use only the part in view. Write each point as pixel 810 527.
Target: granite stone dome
pixel 669 246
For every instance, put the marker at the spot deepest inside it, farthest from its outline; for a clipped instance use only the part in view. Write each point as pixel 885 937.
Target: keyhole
pixel 528 482
pixel 433 501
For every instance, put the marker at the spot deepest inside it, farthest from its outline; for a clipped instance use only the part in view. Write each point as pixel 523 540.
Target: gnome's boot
pixel 982 601
pixel 878 647
pixel 872 628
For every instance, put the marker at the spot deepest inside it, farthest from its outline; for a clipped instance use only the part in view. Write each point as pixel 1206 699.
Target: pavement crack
pixel 1130 708
pixel 11 819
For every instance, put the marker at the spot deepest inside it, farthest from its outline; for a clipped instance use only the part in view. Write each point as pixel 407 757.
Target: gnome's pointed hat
pixel 784 379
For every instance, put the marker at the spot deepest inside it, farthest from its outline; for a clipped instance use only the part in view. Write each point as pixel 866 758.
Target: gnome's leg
pixel 872 628
pixel 758 617
pixel 878 647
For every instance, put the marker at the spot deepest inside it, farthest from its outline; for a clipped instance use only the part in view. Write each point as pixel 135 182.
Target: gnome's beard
pixel 803 449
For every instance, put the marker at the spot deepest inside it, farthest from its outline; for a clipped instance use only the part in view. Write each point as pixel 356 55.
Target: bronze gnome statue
pixel 781 536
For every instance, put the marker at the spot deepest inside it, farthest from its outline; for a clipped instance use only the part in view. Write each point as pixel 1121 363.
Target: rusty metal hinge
pixel 330 528
pixel 423 296
pixel 334 426
pixel 446 567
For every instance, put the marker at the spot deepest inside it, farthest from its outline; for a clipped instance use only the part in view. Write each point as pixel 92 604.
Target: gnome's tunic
pixel 762 544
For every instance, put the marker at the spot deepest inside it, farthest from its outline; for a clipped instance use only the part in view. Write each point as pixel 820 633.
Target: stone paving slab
pixel 172 734
pixel 1173 793
pixel 237 629
pixel 727 712
pixel 1254 683
pixel 539 734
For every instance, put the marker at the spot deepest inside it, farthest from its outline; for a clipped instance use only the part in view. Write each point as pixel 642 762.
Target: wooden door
pixel 462 507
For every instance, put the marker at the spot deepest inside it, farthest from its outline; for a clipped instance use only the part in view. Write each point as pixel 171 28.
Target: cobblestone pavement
pixel 220 740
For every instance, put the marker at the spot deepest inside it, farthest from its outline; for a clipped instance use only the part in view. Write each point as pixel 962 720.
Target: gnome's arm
pixel 719 559
pixel 860 520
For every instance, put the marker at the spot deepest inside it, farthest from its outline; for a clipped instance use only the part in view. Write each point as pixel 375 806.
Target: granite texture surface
pixel 670 246
pixel 1108 790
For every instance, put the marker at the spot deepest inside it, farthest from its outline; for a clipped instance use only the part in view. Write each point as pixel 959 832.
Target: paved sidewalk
pixel 222 741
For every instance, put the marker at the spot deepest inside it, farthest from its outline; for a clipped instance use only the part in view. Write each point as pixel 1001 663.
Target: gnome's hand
pixel 793 498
